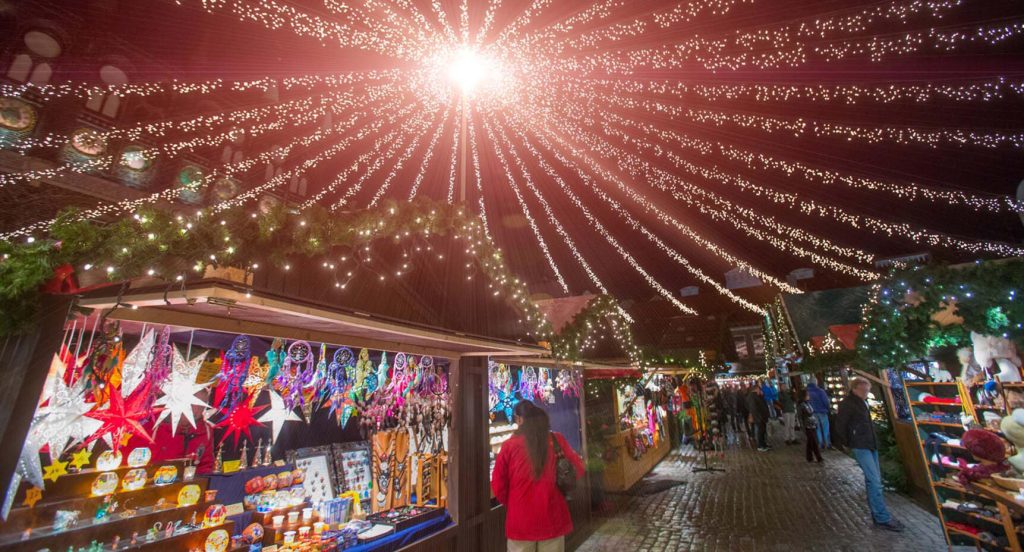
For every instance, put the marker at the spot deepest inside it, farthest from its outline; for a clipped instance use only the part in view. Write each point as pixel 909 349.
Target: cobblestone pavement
pixel 763 502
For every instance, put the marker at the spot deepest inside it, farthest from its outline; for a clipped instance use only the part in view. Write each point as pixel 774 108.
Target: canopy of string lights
pixel 626 147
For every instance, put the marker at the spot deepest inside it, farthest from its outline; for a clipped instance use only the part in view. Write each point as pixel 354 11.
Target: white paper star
pixel 63 419
pixel 277 415
pixel 57 369
pixel 133 370
pixel 179 391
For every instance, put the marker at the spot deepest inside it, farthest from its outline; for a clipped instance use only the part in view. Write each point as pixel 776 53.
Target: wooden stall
pixel 226 307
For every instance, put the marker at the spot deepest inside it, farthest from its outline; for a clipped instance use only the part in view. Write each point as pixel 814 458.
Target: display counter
pixel 624 470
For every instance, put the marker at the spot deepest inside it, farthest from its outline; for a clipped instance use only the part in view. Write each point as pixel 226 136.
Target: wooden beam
pixel 870 377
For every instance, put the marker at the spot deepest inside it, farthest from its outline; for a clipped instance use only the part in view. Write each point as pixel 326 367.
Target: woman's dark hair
pixel 535 429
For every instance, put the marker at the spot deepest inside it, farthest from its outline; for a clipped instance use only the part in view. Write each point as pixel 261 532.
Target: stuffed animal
pixel 939 373
pixel 970 372
pixel 989 348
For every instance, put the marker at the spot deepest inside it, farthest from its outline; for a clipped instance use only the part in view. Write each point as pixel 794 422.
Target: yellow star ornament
pixel 32 496
pixel 80 459
pixel 55 470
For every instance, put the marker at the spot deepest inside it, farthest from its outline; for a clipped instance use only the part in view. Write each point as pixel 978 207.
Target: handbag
pixel 565 473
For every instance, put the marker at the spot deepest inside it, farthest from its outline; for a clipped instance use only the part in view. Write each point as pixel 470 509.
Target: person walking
pixel 822 409
pixel 758 409
pixel 524 480
pixel 788 416
pixel 810 425
pixel 743 413
pixel 854 429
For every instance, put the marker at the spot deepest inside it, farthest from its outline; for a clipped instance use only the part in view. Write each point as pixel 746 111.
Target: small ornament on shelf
pixel 257 454
pixel 218 463
pixel 243 461
pixel 268 459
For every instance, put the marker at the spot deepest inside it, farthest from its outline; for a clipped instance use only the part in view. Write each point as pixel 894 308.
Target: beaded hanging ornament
pixel 275 358
pixel 296 375
pixel 506 393
pixel 234 368
pixel 545 386
pixel 336 381
pixel 414 375
pixel 528 389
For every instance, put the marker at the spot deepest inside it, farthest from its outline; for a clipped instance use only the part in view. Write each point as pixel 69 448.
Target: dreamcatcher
pixel 234 368
pixel 256 380
pixel 399 379
pixel 382 372
pixel 336 380
pixel 296 374
pixel 528 388
pixel 361 372
pixel 414 375
pixel 568 382
pixel 505 392
pixel 545 386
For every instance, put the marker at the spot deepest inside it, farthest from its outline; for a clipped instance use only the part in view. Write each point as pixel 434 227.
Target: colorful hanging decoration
pixel 296 374
pixel 360 372
pixel 382 372
pixel 277 415
pixel 336 382
pixel 179 391
pixel 256 380
pixel 414 375
pixel 569 383
pixel 545 386
pixel 239 420
pixel 234 369
pixel 122 417
pixel 503 389
pixel 528 383
pixel 275 358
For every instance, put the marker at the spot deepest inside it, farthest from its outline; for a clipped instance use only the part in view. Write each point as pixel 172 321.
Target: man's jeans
pixel 868 460
pixel 824 436
pixel 789 423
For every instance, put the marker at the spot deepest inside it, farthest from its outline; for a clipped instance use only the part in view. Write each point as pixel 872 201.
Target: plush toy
pixel 939 373
pixel 970 372
pixel 989 348
pixel 988 449
pixel 1012 427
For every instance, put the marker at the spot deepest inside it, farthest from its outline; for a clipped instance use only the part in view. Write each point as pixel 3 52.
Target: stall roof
pixel 223 306
pixel 814 312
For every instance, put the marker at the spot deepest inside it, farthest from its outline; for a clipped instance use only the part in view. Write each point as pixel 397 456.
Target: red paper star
pixel 123 416
pixel 240 420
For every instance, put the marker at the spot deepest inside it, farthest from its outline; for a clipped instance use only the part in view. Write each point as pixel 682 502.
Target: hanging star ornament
pixel 179 392
pixel 81 459
pixel 55 470
pixel 278 415
pixel 239 420
pixel 133 370
pixel 62 422
pixel 123 416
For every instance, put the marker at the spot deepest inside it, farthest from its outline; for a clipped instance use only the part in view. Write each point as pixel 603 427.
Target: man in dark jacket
pixel 759 414
pixel 854 429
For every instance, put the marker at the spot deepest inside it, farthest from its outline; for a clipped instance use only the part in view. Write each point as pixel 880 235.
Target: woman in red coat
pixel 537 517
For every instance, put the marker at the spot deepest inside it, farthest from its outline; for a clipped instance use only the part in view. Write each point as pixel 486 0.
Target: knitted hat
pixel 984 445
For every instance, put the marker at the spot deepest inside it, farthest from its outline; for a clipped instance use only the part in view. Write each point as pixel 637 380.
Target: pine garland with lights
pixel 602 314
pixel 161 243
pixel 897 326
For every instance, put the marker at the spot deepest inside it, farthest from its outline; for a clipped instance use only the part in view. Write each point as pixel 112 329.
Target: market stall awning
pixel 222 306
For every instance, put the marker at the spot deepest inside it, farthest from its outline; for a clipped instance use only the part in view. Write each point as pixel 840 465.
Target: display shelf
pixel 78 483
pixel 946 484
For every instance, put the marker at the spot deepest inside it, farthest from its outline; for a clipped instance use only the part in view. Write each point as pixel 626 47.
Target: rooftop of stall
pixel 225 307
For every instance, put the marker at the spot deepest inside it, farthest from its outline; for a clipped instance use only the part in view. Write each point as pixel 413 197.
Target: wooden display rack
pixel 946 486
pixel 151 504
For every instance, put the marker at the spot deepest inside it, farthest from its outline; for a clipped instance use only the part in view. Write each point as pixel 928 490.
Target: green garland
pixel 161 243
pixel 601 313
pixel 897 325
pixel 825 362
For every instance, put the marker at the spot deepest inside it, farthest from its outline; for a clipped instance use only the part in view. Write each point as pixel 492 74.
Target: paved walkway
pixel 763 502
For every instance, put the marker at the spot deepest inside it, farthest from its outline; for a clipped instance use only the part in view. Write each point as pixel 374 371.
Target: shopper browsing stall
pixel 525 481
